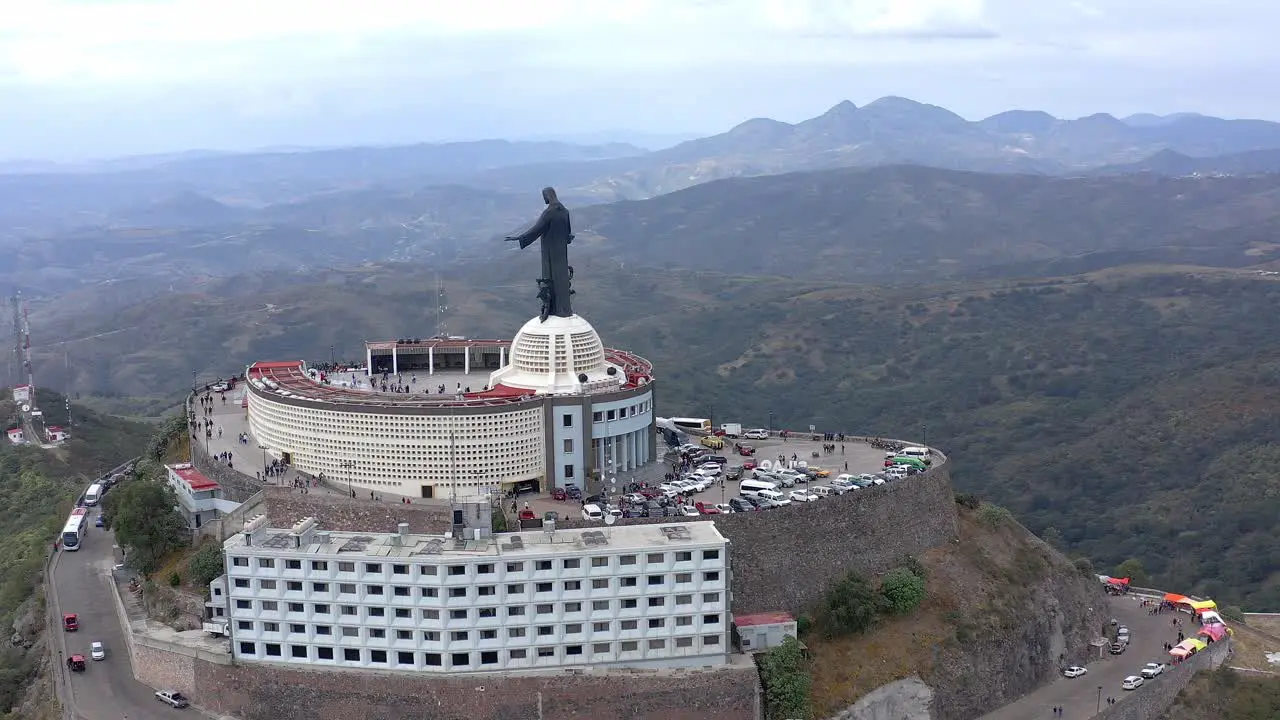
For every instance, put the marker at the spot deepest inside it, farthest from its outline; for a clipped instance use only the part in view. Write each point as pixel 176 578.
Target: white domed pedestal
pixel 563 355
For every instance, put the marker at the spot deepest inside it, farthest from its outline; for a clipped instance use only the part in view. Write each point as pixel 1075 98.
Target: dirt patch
pixel 1250 649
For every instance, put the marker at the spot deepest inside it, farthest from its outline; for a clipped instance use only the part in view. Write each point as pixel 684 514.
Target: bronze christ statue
pixel 555 232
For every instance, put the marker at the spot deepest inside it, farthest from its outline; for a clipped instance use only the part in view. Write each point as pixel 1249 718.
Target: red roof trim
pixel 765 618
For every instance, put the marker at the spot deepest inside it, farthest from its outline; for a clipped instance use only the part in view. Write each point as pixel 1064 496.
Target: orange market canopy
pixel 1175 598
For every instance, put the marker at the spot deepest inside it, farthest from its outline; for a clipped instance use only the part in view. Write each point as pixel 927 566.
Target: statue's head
pixel 549 195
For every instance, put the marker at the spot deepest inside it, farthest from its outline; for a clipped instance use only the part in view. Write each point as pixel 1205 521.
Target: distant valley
pixel 191 216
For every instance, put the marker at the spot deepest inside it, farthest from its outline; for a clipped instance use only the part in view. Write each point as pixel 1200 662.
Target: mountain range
pixel 829 193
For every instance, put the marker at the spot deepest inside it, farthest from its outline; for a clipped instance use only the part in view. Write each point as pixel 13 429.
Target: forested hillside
pixel 38 488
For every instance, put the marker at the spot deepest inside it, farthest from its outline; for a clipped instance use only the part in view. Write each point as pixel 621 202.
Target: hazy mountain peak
pixel 1102 119
pixel 1019 122
pixel 844 107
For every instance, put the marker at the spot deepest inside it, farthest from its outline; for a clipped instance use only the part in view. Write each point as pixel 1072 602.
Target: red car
pixel 70 622
pixel 749 465
pixel 707 509
pixel 528 514
pixel 744 449
pixel 76 663
pixel 559 494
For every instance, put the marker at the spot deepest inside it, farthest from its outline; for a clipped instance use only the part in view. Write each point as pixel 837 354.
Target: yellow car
pixel 712 442
pixel 820 472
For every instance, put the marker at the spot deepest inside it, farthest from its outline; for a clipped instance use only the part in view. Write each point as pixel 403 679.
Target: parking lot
pixel 853 457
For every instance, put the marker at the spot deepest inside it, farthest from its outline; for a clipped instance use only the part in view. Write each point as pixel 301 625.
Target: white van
pixel 755 487
pixel 774 496
pixel 93 495
pixel 915 452
pixel 821 491
pixel 592 512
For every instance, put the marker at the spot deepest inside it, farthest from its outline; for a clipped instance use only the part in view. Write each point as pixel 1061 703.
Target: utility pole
pixel 348 466
pixel 331 363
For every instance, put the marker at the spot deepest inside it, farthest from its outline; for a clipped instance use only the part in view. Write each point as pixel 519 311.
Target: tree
pixel 207 564
pixel 902 590
pixel 1052 536
pixel 1132 569
pixel 852 606
pixel 786 680
pixel 146 522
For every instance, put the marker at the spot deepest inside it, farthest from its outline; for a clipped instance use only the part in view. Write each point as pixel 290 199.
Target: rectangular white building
pixel 646 596
pixel 199 498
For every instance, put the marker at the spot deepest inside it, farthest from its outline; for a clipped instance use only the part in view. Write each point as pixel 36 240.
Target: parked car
pixel 1133 682
pixel 756 434
pixel 802 496
pixel 740 505
pixel 688 511
pixel 713 442
pixel 96 651
pixel 1150 670
pixel 70 622
pixel 1118 648
pixel 172 698
pixel 724 508
pixel 1074 671
pixel 559 494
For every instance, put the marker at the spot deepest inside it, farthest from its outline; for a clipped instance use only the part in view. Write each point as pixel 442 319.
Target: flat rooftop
pixel 538 542
pixel 293 379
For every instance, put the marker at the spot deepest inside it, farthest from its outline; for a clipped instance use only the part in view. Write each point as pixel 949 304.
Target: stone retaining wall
pixel 816 544
pixel 1150 701
pixel 286 506
pixel 236 486
pixel 259 693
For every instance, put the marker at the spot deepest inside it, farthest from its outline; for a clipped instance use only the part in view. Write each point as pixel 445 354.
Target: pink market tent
pixel 1214 632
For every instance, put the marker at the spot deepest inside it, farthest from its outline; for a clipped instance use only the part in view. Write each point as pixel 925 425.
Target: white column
pixel 395 363
pixel 502 356
pixel 466 360
pixel 368 360
pixel 431 360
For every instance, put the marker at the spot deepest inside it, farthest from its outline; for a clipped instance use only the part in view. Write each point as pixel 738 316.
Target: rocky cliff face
pixel 1002 609
pixel 1037 608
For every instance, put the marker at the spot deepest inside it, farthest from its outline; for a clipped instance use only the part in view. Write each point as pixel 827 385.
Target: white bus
pixel 93 495
pixel 73 531
pixel 702 425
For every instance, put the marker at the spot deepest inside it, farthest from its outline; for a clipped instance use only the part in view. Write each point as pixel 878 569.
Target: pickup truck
pixel 217 629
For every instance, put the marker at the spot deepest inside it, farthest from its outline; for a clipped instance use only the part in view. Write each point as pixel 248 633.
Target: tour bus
pixel 687 424
pixel 74 529
pixel 93 495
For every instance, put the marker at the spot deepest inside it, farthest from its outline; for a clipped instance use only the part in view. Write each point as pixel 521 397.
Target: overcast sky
pixel 96 78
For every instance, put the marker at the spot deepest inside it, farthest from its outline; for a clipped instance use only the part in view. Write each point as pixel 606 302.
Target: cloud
pixel 174 42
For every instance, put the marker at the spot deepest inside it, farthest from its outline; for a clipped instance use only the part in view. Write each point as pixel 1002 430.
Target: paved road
pixel 1079 697
pixel 107 690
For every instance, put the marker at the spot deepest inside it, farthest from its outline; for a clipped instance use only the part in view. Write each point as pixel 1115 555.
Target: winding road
pixel 106 690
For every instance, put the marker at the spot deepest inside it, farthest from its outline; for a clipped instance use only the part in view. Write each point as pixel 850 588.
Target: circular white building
pixel 452 417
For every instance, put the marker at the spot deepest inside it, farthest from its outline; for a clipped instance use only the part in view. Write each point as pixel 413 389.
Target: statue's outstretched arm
pixel 527 237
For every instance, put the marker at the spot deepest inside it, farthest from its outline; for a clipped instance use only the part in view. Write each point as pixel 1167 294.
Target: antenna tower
pixel 442 326
pixel 16 373
pixel 26 355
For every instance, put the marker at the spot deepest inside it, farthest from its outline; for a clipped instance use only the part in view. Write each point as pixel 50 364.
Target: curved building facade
pixel 562 409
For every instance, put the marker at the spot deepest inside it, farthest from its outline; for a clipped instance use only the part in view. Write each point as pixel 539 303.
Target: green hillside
pixel 37 490
pixel 1130 413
